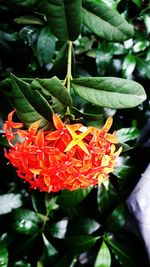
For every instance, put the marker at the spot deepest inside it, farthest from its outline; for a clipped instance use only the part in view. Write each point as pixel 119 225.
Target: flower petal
pixel 57 122
pixel 107 125
pixel 53 136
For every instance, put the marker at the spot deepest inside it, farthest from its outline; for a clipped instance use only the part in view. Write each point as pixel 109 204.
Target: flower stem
pixel 69 76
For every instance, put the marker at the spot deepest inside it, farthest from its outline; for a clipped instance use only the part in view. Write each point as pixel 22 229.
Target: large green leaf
pixel 82 226
pixel 107 199
pixel 80 243
pixel 103 258
pixel 45 46
pixel 25 103
pixel 64 17
pixel 56 89
pixel 109 92
pixel 105 22
pixel 117 218
pixel 26 221
pixel 68 199
pixel 3 254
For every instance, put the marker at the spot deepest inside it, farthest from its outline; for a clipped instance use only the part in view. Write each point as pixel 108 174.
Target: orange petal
pixel 76 126
pixel 35 171
pixel 47 180
pixel 34 126
pixel 84 181
pixel 57 122
pixel 107 125
pixel 40 138
pixel 16 125
pixel 10 115
pixel 111 138
pixel 53 136
pixel 22 133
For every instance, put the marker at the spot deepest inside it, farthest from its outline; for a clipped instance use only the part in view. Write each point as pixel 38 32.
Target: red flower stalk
pixel 71 157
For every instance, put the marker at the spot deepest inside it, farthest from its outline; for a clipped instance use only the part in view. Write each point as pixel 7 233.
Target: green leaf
pixel 69 199
pixel 28 20
pixel 38 203
pixel 3 254
pixel 10 201
pixel 117 218
pixel 45 46
pixel 49 250
pixel 122 252
pixel 147 22
pixel 51 203
pixel 105 22
pixel 59 67
pixel 128 66
pixel 109 91
pixel 25 101
pixel 143 68
pixel 64 17
pixel 124 171
pixel 127 134
pixel 80 243
pixel 103 258
pixel 106 199
pixel 103 59
pixel 137 2
pixel 65 261
pixel 56 89
pixel 140 45
pixel 82 226
pixel 60 63
pixel 24 3
pixel 20 264
pixel 26 221
pixel 59 229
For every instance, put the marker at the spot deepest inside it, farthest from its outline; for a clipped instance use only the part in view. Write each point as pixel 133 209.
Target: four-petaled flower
pixel 71 157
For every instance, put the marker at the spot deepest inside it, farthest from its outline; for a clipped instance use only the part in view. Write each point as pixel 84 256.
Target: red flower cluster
pixel 71 157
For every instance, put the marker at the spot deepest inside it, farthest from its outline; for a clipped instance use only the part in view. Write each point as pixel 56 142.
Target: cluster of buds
pixel 68 157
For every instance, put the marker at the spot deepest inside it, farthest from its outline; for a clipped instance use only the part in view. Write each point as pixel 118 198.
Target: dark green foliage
pixel 110 67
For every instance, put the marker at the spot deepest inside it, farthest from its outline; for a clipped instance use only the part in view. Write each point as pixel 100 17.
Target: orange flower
pixel 71 157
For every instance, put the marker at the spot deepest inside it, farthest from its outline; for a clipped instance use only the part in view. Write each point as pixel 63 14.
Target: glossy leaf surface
pixel 105 22
pixel 24 103
pixel 103 258
pixel 110 91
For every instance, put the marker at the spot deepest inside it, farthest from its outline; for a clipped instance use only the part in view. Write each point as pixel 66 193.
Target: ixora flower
pixel 71 156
